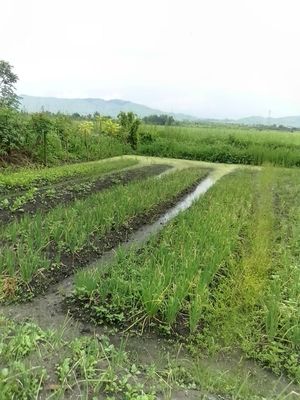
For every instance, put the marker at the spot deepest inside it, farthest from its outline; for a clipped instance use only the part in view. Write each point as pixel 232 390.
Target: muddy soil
pixel 66 192
pixel 97 246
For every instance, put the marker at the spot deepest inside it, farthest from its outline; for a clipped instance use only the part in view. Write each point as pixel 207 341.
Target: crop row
pixel 27 178
pixel 170 279
pixel 55 240
pixel 257 303
pixel 45 198
pixel 227 271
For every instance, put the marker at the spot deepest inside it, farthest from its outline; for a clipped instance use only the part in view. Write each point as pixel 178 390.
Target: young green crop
pixel 41 364
pixel 171 277
pixel 39 242
pixel 26 178
pixel 257 301
pixel 228 269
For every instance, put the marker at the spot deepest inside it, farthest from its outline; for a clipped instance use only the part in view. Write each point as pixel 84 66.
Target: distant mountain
pixel 113 107
pixel 90 106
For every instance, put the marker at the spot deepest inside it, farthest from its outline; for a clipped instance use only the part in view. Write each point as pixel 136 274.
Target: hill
pixel 90 106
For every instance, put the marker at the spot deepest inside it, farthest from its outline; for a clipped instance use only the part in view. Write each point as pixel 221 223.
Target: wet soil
pixel 97 246
pixel 68 191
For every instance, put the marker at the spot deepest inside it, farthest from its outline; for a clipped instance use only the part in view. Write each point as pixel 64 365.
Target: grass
pixel 81 367
pixel 222 144
pixel 27 178
pixel 47 364
pixel 41 242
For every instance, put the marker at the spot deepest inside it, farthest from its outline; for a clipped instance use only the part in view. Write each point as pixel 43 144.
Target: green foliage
pixel 26 178
pixel 111 128
pixel 8 96
pixel 51 139
pixel 70 229
pixel 90 365
pixel 256 300
pixel 41 125
pixel 170 279
pixel 129 123
pixel 222 144
pixel 19 382
pixel 162 119
pixel 63 127
pixel 226 271
pixel 12 131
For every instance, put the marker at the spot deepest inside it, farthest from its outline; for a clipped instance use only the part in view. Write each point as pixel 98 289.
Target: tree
pixel 85 128
pixel 42 125
pixel 8 96
pixel 63 127
pixel 129 123
pixel 162 119
pixel 11 131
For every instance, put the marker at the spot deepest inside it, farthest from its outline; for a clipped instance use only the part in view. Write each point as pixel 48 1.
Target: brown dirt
pixel 78 189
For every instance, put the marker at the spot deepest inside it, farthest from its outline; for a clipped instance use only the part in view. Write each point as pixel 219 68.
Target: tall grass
pixel 222 144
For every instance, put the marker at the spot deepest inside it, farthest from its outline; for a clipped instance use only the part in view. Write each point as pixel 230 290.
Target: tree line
pixel 46 137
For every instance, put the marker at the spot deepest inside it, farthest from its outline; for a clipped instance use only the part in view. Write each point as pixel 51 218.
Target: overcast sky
pixel 209 58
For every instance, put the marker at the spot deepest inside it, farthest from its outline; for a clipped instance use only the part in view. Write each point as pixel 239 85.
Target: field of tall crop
pixel 114 284
pixel 223 144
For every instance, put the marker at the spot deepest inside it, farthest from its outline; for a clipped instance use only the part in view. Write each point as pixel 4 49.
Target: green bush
pixel 12 129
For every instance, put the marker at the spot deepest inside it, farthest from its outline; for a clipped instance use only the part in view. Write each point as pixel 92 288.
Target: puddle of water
pixel 145 232
pixel 187 201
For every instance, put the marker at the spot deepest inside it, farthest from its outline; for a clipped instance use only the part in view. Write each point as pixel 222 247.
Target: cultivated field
pixel 153 278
